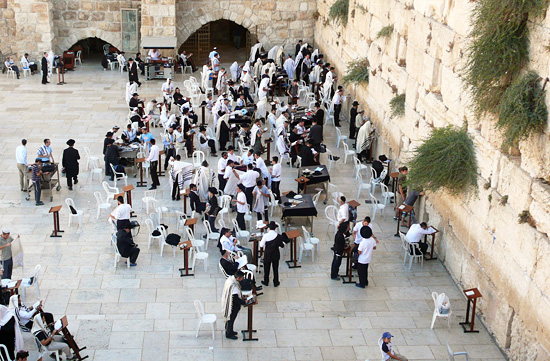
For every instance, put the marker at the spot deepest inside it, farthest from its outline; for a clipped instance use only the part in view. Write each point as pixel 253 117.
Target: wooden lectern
pixel 403 209
pixel 70 339
pixel 250 329
pixel 185 194
pixel 432 246
pixel 302 181
pixel 348 254
pixel 56 227
pixel 394 180
pixel 472 295
pixel 160 172
pixel 190 222
pixel 268 146
pixel 128 190
pixel 141 183
pixel 185 246
pixel 293 235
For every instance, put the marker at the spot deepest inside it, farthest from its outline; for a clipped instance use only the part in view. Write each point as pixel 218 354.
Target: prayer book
pixel 36 305
pixel 470 293
pixel 58 325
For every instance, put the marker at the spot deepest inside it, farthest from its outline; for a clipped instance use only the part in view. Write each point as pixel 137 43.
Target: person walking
pixel 70 163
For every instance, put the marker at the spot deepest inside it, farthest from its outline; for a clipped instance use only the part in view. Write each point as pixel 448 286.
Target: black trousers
pixel 176 189
pixel 212 221
pixel 154 175
pixel 275 189
pixel 240 221
pixel 247 95
pixel 363 272
pixel 212 145
pixel 234 312
pixel 221 182
pixel 423 248
pixel 335 268
pixel 169 152
pixel 337 109
pixel 271 261
pixel 249 196
pixel 71 178
pixel 265 215
pixel 123 223
pixel 44 76
pixel 133 255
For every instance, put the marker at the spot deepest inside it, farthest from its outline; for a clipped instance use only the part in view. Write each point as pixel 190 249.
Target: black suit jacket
pixel 196 204
pixel 44 64
pixel 133 103
pixel 316 134
pixel 70 161
pixel 112 155
pixel 124 242
pixel 229 267
pixel 133 72
pixel 307 156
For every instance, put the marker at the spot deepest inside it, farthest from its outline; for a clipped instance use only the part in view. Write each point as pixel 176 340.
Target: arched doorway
pixel 92 48
pixel 232 40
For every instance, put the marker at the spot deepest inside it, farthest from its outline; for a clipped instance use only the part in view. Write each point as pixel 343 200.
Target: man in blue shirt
pixel 146 137
pixel 36 172
pixel 45 152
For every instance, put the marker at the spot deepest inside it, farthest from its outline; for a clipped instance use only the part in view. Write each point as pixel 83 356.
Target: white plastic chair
pixel 89 158
pixel 362 185
pixel 298 161
pixel 377 181
pixel 214 236
pixel 198 158
pixel 240 234
pixel 404 245
pixel 180 221
pixel 453 354
pixel 347 152
pixel 330 158
pixel 271 203
pixel 28 282
pixel 110 191
pixel 331 214
pixel 310 239
pixel 151 228
pixel 149 200
pixel 340 137
pixel 305 247
pixel 96 169
pixel 206 318
pixel 70 203
pixel 225 202
pixel 146 165
pixel 437 311
pixel 78 57
pixel 10 71
pixel 387 196
pixel 248 217
pixel 358 167
pixel 118 256
pixel 413 256
pixel 42 350
pixel 186 68
pixel 199 243
pixel 163 243
pixel 316 197
pixel 334 193
pixel 122 176
pixel 112 64
pixel 376 205
pixel 101 204
pixel 25 69
pixel 198 255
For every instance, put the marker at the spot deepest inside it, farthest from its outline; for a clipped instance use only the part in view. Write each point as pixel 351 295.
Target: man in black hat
pixel 315 134
pixel 352 115
pixel 133 71
pixel 298 47
pixel 70 163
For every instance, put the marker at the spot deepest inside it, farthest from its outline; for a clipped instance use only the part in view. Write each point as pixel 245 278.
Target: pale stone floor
pixel 146 312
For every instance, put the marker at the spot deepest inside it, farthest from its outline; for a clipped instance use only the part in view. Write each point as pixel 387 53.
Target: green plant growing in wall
pixel 500 48
pixel 357 72
pixel 385 32
pixel 445 160
pixel 525 217
pixel 397 105
pixel 522 110
pixel 339 11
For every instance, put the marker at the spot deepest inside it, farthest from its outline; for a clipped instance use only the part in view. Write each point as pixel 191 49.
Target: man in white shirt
pixel 122 214
pixel 154 161
pixel 343 211
pixel 260 164
pixel 167 91
pixel 367 245
pixel 415 233
pixel 45 152
pixel 337 101
pixel 264 88
pixel 248 158
pixel 154 54
pixel 246 81
pixel 22 165
pixel 248 181
pixel 276 177
pixel 231 154
pixel 222 164
pixel 241 206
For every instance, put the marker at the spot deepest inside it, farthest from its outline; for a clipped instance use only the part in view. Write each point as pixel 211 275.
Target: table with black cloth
pixel 304 209
pixel 316 177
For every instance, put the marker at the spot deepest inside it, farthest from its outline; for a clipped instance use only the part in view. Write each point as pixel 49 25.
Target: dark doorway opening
pixel 92 48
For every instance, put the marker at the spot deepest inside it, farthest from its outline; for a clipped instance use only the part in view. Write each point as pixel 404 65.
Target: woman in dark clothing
pixel 339 246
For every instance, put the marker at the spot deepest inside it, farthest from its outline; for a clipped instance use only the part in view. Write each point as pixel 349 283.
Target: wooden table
pixel 472 295
pixel 185 194
pixel 403 209
pixel 250 330
pixel 190 222
pixel 128 190
pixel 141 183
pixel 56 227
pixel 432 245
pixel 293 235
pixel 185 246
pixel 348 253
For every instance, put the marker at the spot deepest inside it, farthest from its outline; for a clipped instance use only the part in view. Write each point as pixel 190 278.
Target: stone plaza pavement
pixel 146 312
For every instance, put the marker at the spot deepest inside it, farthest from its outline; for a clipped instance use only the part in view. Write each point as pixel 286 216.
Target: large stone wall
pixel 482 244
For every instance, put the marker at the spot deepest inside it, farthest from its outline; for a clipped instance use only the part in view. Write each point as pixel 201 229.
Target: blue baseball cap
pixel 387 335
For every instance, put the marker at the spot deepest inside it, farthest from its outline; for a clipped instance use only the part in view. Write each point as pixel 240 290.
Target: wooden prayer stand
pixel 128 190
pixel 472 295
pixel 160 172
pixel 185 194
pixel 302 180
pixel 56 227
pixel 348 253
pixel 203 114
pixel 250 329
pixel 293 235
pixel 255 251
pixel 268 146
pixel 394 181
pixel 403 209
pixel 433 244
pixel 141 183
pixel 70 339
pixel 190 222
pixel 61 76
pixel 185 246
pixel 354 203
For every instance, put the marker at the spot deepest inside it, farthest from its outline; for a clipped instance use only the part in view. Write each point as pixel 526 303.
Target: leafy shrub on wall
pixel 357 72
pixel 397 105
pixel 385 32
pixel 339 11
pixel 445 160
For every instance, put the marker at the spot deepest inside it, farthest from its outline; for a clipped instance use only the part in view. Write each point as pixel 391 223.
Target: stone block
pixel 69 15
pixel 80 24
pixel 115 6
pixel 515 183
pixel 168 21
pixel 83 15
pixel 87 5
pixel 8 14
pixel 98 16
pixel 39 8
pixel 73 5
pixel 102 6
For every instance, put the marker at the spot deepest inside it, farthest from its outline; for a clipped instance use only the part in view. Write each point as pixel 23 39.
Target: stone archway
pixel 63 43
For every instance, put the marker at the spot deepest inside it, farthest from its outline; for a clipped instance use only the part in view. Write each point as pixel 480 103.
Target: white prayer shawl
pixel 260 201
pixel 279 57
pixel 272 120
pixel 358 121
pixel 280 121
pixel 364 138
pixel 256 48
pixel 205 73
pixel 327 86
pixel 5 317
pixel 281 145
pixel 221 80
pixel 232 181
pixel 265 67
pixel 289 67
pixel 330 77
pixel 185 175
pixel 262 94
pixel 204 179
pixel 227 296
pixel 51 57
pixel 234 71
pixel 262 108
pixel 255 129
pixel 131 88
pixel 315 74
pixel 299 57
pixel 315 54
pixel 246 67
pixel 273 52
pixel 167 90
pixel 258 69
pixel 164 117
pixel 224 119
pixel 17 253
pixel 272 70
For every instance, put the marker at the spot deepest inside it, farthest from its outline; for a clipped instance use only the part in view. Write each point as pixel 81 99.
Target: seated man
pixel 121 214
pixel 231 267
pixel 415 233
pixel 126 246
pixel 229 243
pixel 195 201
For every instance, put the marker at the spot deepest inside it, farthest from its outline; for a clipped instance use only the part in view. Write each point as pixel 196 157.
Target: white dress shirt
pixel 153 154
pixel 222 163
pixel 248 179
pixel 260 164
pixel 415 233
pixel 21 155
pixel 232 157
pixel 122 212
pixel 241 208
pixel 365 247
pixel 343 213
pixel 276 172
pixel 227 243
pixel 154 55
pixel 357 232
pixel 264 84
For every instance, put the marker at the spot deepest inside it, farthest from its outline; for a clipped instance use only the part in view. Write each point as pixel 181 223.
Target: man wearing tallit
pixel 221 84
pixel 258 68
pixel 365 136
pixel 289 67
pixel 246 82
pixel 167 91
pixel 204 179
pixel 131 88
pixel 232 300
pixel 256 136
pixel 281 143
pixel 235 71
pixel 222 130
